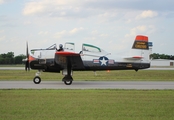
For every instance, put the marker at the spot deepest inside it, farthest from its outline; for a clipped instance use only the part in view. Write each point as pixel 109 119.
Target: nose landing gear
pixel 37 79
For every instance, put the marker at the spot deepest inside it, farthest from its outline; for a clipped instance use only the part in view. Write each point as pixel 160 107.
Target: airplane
pixel 90 58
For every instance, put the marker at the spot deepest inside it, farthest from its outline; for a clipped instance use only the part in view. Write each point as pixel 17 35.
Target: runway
pixel 12 68
pixel 146 85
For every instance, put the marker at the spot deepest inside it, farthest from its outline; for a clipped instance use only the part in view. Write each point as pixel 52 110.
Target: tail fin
pixel 141 49
pixel 141 42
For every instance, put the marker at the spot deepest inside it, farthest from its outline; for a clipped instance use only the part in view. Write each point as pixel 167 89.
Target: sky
pixel 109 24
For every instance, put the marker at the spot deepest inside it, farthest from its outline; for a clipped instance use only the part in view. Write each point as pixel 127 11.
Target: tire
pixel 68 82
pixel 37 80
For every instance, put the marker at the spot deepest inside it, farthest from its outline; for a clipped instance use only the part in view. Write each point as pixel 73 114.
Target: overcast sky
pixel 109 24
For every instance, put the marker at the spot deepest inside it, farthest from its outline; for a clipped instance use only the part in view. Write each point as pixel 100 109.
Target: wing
pixel 70 59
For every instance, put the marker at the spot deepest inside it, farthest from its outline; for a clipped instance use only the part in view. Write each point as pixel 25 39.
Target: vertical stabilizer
pixel 140 49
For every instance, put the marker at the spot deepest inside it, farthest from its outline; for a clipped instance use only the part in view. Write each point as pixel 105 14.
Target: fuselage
pixel 101 63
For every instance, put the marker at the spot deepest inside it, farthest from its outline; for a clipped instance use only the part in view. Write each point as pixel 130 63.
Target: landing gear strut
pixel 37 79
pixel 68 72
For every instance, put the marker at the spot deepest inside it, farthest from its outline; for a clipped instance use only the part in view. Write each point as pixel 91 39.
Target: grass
pixel 86 104
pixel 12 65
pixel 141 75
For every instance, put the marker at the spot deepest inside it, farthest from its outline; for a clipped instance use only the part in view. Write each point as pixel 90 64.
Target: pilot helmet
pixel 60 46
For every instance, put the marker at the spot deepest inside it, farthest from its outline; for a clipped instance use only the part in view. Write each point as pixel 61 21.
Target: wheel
pixel 37 80
pixel 68 82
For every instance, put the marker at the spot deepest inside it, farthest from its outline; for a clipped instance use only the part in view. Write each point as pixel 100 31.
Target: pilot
pixel 60 47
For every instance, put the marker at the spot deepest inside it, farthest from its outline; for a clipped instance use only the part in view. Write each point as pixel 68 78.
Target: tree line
pixel 9 58
pixel 161 56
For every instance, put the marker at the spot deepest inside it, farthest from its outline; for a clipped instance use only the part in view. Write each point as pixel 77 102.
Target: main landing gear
pixel 67 79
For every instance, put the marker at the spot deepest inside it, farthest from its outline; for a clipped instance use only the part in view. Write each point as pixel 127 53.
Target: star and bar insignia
pixel 103 61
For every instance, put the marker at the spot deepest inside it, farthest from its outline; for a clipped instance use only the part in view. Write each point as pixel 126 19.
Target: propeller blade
pixel 27 66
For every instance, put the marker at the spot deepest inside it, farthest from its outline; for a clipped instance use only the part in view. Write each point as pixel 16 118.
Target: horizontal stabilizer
pixel 134 57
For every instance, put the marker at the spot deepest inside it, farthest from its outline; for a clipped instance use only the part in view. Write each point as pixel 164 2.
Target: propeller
pixel 27 64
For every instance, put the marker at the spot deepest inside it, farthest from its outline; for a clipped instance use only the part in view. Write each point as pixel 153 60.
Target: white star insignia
pixel 103 62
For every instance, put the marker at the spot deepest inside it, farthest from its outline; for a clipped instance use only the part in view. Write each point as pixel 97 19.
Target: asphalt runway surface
pixel 146 85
